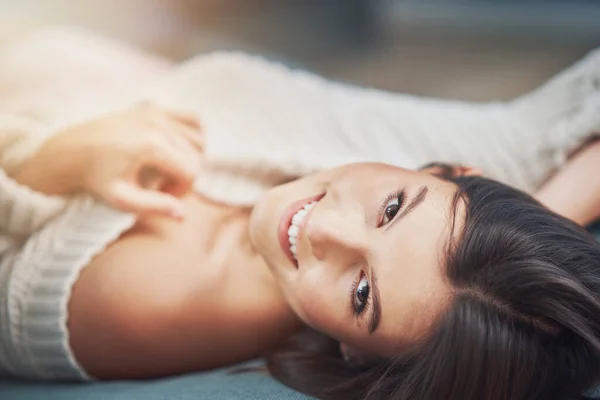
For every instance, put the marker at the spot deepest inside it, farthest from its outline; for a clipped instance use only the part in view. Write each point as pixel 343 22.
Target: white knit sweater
pixel 264 124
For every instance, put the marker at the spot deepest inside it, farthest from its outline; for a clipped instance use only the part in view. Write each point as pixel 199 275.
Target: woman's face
pixel 366 266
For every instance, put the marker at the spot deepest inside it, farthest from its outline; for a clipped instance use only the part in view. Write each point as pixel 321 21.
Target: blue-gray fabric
pixel 215 385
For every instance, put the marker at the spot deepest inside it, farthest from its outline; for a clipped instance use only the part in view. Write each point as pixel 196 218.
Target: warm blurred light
pixel 432 47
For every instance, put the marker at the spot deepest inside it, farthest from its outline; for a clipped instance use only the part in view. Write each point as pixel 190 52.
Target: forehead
pixel 409 263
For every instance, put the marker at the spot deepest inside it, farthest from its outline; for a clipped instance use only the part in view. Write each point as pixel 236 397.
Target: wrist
pixel 58 168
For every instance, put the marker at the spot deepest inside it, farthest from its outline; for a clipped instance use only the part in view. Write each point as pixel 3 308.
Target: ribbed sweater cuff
pixel 41 286
pixel 22 210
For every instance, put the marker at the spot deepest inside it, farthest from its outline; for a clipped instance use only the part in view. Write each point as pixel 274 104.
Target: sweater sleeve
pixel 22 210
pixel 266 123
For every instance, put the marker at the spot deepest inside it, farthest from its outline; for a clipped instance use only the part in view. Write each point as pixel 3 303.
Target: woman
pixel 432 284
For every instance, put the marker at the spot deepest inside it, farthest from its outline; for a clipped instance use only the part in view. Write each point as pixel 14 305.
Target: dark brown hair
pixel 523 323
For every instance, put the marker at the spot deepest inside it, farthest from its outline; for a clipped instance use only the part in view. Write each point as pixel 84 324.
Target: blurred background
pixel 466 49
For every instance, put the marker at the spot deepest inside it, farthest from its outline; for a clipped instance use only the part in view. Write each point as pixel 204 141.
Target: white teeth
pixel 294 226
pixel 297 219
pixel 293 231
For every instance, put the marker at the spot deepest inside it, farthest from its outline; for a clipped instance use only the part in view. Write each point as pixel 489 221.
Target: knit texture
pixel 270 124
pixel 265 124
pixel 50 81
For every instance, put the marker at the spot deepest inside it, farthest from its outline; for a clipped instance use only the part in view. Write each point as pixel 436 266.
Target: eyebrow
pixel 375 317
pixel 376 313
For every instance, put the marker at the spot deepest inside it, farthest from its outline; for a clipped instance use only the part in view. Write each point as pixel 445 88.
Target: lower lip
pixel 286 220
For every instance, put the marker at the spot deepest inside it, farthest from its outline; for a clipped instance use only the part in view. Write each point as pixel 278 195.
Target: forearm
pixel 23 210
pixel 30 156
pixel 56 169
pixel 574 191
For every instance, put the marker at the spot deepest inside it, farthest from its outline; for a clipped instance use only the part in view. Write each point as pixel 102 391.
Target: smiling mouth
pixel 296 224
pixel 292 223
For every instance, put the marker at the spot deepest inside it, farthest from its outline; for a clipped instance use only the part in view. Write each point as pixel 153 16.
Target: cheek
pixel 323 301
pixel 265 217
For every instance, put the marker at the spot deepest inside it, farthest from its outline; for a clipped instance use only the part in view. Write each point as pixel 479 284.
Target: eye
pixel 391 207
pixel 361 295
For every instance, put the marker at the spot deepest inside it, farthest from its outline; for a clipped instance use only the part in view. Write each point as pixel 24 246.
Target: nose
pixel 337 236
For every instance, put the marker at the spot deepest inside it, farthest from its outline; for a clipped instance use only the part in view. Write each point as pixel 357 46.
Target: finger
pixel 150 179
pixel 173 164
pixel 174 189
pixel 191 158
pixel 194 137
pixel 186 119
pixel 185 142
pixel 184 125
pixel 154 111
pixel 130 198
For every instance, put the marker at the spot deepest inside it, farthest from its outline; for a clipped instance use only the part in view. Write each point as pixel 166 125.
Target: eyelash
pixel 391 196
pixel 399 194
pixel 359 310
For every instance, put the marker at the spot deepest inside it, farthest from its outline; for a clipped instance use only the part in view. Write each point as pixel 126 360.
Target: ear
pixel 451 170
pixel 471 171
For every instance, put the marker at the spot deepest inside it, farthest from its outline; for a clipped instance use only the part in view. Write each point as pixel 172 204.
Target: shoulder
pixel 157 296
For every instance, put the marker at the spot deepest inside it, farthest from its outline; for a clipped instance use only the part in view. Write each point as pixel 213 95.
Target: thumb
pixel 128 197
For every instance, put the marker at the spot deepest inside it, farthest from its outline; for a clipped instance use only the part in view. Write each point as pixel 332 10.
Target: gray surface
pixel 216 385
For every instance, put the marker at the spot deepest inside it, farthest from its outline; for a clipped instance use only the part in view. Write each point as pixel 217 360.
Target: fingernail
pixel 177 213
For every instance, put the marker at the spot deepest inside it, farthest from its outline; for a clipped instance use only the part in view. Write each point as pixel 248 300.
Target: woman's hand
pixel 140 160
pixel 574 192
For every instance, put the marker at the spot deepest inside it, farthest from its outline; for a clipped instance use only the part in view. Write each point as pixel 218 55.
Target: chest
pixel 205 235
pixel 210 253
